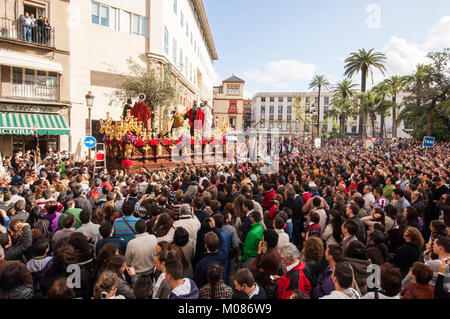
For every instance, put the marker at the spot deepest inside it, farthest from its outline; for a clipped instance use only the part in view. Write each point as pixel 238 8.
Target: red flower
pixel 139 143
pixel 177 141
pixel 127 162
pixel 154 142
pixel 165 141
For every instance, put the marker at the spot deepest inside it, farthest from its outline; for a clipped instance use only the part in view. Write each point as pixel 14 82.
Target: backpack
pixel 94 194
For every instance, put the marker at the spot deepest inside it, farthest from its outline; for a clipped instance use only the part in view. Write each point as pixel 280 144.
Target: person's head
pixel 85 216
pixel 391 279
pixel 298 294
pixel 212 242
pixel 106 284
pixel 289 254
pixel 181 237
pixel 244 281
pixel 185 210
pixel 59 290
pixel 219 220
pixel 19 205
pixel 349 228
pixel 271 238
pixel 162 225
pixel 342 276
pixel 68 221
pixel 279 222
pixel 248 205
pixel 314 217
pixel 142 287
pixel 116 264
pixel 199 203
pixel 214 276
pixel 313 249
pixel 378 192
pixel 41 247
pixel 255 217
pixel 441 246
pixel 352 210
pixel 438 228
pixel 334 254
pixel 317 202
pixel 421 273
pixel 356 250
pixel 398 193
pixel 173 270
pixel 11 278
pixel 413 235
pixel 128 208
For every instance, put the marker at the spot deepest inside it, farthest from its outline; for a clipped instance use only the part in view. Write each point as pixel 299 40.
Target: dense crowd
pixel 327 223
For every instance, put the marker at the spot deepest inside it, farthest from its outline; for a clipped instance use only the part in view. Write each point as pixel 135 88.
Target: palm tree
pixel 345 89
pixel 342 109
pixel 395 85
pixel 363 61
pixel 382 108
pixel 368 105
pixel 319 81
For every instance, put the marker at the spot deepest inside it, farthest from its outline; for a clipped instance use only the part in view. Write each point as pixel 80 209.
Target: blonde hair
pixel 105 283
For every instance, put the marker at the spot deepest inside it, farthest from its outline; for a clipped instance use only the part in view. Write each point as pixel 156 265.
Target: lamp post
pixel 89 102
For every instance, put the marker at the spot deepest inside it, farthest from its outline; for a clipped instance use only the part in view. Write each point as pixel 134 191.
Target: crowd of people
pixel 322 227
pixel 36 30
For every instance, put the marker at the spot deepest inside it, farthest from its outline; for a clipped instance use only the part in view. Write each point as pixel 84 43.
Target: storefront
pixel 20 132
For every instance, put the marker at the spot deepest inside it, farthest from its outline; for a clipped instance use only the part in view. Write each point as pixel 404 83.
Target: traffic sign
pixel 90 142
pixel 428 141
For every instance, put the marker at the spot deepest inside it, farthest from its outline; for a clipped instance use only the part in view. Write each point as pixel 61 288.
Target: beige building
pixel 229 102
pixel 34 76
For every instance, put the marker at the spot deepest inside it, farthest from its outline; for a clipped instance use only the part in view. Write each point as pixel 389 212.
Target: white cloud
pixel 439 36
pixel 249 93
pixel 278 72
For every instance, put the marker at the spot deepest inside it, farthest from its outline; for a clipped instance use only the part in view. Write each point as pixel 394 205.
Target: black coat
pixel 405 256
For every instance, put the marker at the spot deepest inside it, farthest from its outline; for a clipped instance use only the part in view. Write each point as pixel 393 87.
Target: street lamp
pixel 89 102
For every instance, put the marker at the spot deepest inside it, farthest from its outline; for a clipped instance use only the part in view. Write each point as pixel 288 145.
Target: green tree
pixel 143 77
pixel 427 103
pixel 383 107
pixel 342 108
pixel 364 62
pixel 319 81
pixel 395 85
pixel 302 113
pixel 345 89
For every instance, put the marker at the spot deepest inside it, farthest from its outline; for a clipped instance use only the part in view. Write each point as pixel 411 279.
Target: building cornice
pixel 200 9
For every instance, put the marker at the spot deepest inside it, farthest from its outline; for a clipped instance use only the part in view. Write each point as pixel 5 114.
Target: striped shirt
pixel 381 203
pixel 121 229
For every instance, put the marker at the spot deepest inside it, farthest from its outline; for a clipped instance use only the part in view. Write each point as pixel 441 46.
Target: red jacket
pixel 269 196
pixel 293 279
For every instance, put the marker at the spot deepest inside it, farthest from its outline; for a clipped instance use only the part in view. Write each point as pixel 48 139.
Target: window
pixel 272 99
pixel 270 117
pixel 100 14
pixel 353 129
pixel 41 78
pixel 280 110
pixel 326 100
pixel 289 110
pixel 174 52
pixel 233 90
pixel 263 110
pixel 280 99
pixel 125 21
pixel 17 75
pixel 29 76
pixel 289 99
pixel 263 118
pixel 270 125
pixel 263 99
pixel 288 126
pixel 52 80
pixel 280 117
pixel 272 110
pixel 232 122
pixel 166 41
pixel 175 6
pixel 139 25
pixel 307 100
pixel 95 15
pixel 263 124
pixel 280 126
pixel 181 18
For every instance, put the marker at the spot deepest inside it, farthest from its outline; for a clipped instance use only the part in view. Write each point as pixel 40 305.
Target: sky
pixel 278 45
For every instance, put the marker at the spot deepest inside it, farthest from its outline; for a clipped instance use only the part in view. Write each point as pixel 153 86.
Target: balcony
pixel 232 110
pixel 35 91
pixel 15 31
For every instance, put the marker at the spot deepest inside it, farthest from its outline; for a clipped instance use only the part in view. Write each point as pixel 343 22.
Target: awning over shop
pixel 28 124
pixel 27 61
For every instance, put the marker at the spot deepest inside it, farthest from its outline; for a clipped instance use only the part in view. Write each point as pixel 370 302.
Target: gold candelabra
pixel 117 129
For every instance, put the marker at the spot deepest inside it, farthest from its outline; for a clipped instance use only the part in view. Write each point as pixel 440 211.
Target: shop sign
pixel 16 131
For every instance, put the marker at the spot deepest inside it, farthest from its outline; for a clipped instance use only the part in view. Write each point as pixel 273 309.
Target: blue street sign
pixel 428 141
pixel 90 141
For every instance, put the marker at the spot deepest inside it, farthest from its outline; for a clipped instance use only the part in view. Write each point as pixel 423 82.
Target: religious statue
pixel 196 117
pixel 207 125
pixel 127 107
pixel 141 112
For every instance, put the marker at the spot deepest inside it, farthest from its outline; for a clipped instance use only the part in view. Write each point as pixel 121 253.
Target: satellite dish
pixel 142 97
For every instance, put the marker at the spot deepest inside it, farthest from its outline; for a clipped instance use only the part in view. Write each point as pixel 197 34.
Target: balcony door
pixel 38 9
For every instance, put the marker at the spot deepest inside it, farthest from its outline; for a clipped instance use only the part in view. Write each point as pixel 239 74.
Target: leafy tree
pixel 383 107
pixel 319 81
pixel 302 113
pixel 364 61
pixel 342 108
pixel 395 85
pixel 143 77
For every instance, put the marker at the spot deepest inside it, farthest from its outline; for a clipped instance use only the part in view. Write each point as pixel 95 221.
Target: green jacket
pixel 75 212
pixel 252 240
pixel 387 192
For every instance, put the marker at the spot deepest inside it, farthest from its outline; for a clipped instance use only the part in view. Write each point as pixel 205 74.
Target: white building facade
pixel 105 33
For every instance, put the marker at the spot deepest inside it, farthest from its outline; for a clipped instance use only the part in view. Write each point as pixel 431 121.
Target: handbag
pixel 354 283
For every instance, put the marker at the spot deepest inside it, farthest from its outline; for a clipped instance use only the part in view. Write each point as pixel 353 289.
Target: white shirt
pixel 367 199
pixel 157 284
pixel 254 292
pixel 289 268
